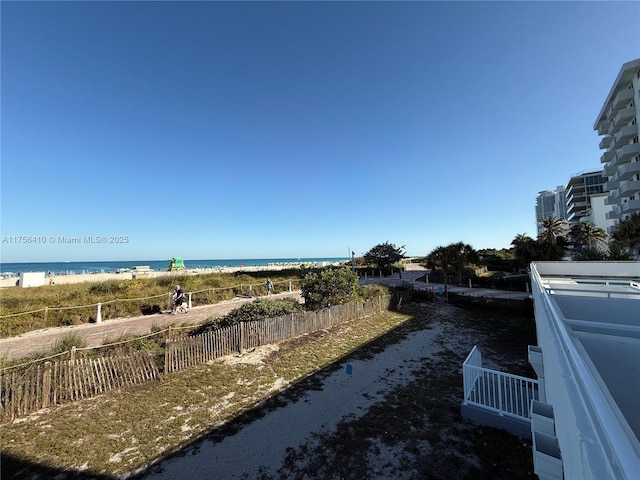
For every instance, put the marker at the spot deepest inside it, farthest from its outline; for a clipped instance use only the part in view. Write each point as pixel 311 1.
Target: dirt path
pixel 96 333
pixel 396 416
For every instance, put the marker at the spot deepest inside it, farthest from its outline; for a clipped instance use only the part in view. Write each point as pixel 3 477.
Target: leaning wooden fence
pixel 44 384
pixel 190 351
pixel 27 388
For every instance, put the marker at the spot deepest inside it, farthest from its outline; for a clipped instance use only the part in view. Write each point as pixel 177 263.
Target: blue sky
pixel 295 129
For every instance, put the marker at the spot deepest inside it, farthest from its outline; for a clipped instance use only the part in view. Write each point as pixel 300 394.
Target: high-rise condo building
pixel 581 187
pixel 618 124
pixel 551 203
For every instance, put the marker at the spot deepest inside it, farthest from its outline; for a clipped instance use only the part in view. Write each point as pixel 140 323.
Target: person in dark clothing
pixel 179 299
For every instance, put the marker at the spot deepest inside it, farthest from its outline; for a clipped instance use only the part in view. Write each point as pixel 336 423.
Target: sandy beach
pixel 102 277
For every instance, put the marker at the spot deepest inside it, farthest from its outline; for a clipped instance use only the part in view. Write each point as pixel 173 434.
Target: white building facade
pixel 551 203
pixel 617 122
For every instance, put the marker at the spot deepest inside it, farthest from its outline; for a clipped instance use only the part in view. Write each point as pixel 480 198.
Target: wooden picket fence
pixel 44 384
pixel 190 351
pixel 25 389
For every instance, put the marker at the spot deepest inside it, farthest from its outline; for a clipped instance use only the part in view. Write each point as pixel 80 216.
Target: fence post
pixel 72 354
pixel 46 384
pixel 240 343
pixel 46 313
pixel 290 285
pixel 250 291
pixel 99 314
pixel 167 367
pixel 189 300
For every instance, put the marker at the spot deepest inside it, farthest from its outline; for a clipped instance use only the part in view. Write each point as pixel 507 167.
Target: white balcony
pixel 627 188
pixel 607 142
pixel 587 328
pixel 612 183
pixel 610 169
pixel 625 152
pixel 603 127
pixel 608 156
pixel 630 207
pixel 628 170
pixel 623 99
pixel 624 135
pixel 613 198
pixel 612 214
pixel 624 116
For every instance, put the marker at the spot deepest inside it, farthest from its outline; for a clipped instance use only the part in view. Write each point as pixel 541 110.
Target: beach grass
pixel 122 432
pixel 48 305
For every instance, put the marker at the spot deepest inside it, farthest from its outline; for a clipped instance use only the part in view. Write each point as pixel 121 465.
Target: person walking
pixel 269 286
pixel 179 299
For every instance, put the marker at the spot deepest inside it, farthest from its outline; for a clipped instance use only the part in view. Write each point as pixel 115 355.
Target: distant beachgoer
pixel 269 286
pixel 179 298
pixel 172 301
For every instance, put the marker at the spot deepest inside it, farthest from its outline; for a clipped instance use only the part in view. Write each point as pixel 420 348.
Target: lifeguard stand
pixel 176 264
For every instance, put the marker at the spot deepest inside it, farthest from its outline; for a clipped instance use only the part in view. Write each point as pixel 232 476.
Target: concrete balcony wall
pixel 628 170
pixel 632 186
pixel 626 152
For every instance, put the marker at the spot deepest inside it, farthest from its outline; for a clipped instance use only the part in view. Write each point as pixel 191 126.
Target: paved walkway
pixel 97 334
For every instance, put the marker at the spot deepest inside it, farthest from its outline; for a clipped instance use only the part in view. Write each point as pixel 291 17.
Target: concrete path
pixel 97 334
pixel 39 341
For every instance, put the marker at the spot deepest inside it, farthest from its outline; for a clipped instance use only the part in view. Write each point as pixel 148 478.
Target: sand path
pixel 260 447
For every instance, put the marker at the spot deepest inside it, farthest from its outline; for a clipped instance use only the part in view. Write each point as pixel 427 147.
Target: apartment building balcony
pixel 495 398
pixel 624 116
pixel 627 188
pixel 608 156
pixel 622 99
pixel 610 169
pixel 589 347
pixel 628 170
pixel 613 214
pixel 612 183
pixel 630 206
pixel 613 198
pixel 624 135
pixel 607 142
pixel 603 127
pixel 625 152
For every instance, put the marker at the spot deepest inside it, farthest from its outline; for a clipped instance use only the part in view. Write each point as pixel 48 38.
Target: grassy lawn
pixel 123 432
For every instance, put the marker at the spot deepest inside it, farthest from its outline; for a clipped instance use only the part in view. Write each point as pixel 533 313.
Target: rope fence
pixel 96 311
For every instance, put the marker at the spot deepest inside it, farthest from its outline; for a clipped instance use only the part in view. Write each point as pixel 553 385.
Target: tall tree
pixel 525 249
pixel 627 234
pixel 586 233
pixel 452 258
pixel 554 228
pixel 384 255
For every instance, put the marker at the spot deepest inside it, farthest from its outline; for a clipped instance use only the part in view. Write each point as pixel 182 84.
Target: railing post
pixel 190 300
pixel 99 314
pixel 290 286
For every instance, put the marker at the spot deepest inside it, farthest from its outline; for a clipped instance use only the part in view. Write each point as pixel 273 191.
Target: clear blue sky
pixel 295 129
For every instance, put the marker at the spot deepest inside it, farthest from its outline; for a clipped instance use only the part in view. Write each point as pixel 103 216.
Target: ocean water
pixel 68 268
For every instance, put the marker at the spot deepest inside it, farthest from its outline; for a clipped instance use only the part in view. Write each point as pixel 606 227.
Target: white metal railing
pixel 587 399
pixel 503 393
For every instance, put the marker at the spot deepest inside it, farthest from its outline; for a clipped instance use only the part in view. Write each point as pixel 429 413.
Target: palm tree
pixel 587 233
pixel 628 233
pixel 524 249
pixel 554 228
